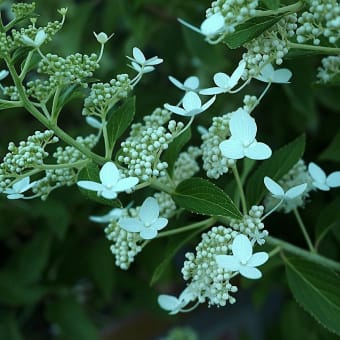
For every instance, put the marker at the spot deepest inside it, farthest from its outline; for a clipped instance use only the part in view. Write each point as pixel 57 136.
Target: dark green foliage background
pixel 57 274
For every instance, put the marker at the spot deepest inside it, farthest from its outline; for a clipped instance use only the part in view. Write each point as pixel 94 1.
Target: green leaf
pixel 120 119
pixel 328 218
pixel 316 289
pixel 249 30
pixel 70 316
pixel 170 155
pixel 331 153
pixel 275 167
pixel 174 245
pixel 67 94
pixel 9 328
pixel 203 197
pixel 91 173
pixel 271 4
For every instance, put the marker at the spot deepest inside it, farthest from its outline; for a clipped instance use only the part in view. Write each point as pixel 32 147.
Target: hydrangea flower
pixel 173 304
pixel 269 75
pixel 142 65
pixel 3 74
pixel 190 84
pixel 147 223
pixel 278 192
pixel 111 182
pixel 18 188
pixel 243 260
pixel 320 180
pixel 242 142
pixel 93 122
pixel 40 37
pixel 113 215
pixel 225 83
pixel 192 105
pixel 102 37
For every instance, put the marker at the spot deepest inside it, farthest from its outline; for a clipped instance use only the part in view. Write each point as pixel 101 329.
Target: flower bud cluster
pixel 234 12
pixel 74 69
pixel 38 89
pixel 297 175
pixel 56 178
pixel 27 155
pixel 271 46
pixel 141 151
pixel 11 92
pixel 330 69
pixel 251 225
pixel 6 44
pixel 104 95
pixel 214 163
pixel 210 281
pixel 167 206
pixel 321 20
pixel 21 10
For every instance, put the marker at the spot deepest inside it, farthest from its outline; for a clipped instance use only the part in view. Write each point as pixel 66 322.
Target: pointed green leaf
pixel 171 153
pixel 120 119
pixel 249 30
pixel 201 196
pixel 67 94
pixel 271 4
pixel 316 289
pixel 331 153
pixel 275 167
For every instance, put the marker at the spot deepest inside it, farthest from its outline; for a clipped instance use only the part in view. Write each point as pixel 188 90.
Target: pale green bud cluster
pixel 249 102
pixel 22 10
pixel 38 89
pixel 251 225
pixel 6 44
pixel 103 96
pixel 167 206
pixel 214 163
pixel 210 281
pixel 11 92
pixel 330 69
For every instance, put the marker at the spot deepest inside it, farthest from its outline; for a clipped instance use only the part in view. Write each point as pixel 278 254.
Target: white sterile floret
pixel 243 260
pixel 147 223
pixel 192 105
pixel 242 142
pixel 224 82
pixel 213 25
pixel 3 74
pixel 269 75
pixel 18 188
pixel 173 304
pixel 102 37
pixel 111 182
pixel 320 180
pixel 93 122
pixel 278 192
pixel 113 215
pixel 142 65
pixel 40 37
pixel 190 84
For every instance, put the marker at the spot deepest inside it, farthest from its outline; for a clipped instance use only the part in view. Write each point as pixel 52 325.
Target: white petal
pixel 243 127
pixel 232 148
pixel 101 219
pixel 186 24
pixel 27 40
pixel 192 83
pixel 242 248
pixel 237 74
pixel 333 180
pixel 153 61
pixel 109 174
pixel 282 76
pixel 213 24
pixel 258 259
pixel 133 225
pixel 250 272
pixel 228 262
pixel 90 185
pixel 267 73
pixel 15 196
pixel 211 91
pixel 93 122
pixel 258 151
pixel 148 233
pixel 175 109
pixel 3 74
pixel 147 69
pixel 109 194
pixel 208 104
pixel 136 66
pixel 316 173
pixel 40 37
pixel 160 223
pixel 176 83
pixel 149 210
pixel 321 186
pixel 222 80
pixel 21 185
pixel 191 101
pixel 296 191
pixel 126 183
pixel 168 302
pixel 138 55
pixel 273 187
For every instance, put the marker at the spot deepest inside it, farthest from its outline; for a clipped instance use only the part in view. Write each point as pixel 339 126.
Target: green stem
pixel 274 251
pixel 240 187
pixel 205 223
pixel 321 49
pixel 26 65
pixel 63 166
pixel 55 113
pixel 161 187
pixel 45 121
pixel 108 150
pixel 304 230
pixel 313 257
pixel 286 9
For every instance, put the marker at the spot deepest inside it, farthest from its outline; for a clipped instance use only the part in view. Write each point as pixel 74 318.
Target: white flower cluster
pixel 141 151
pixel 214 163
pixel 209 282
pixel 270 46
pixel 104 95
pixel 330 69
pixel 251 225
pixel 322 20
